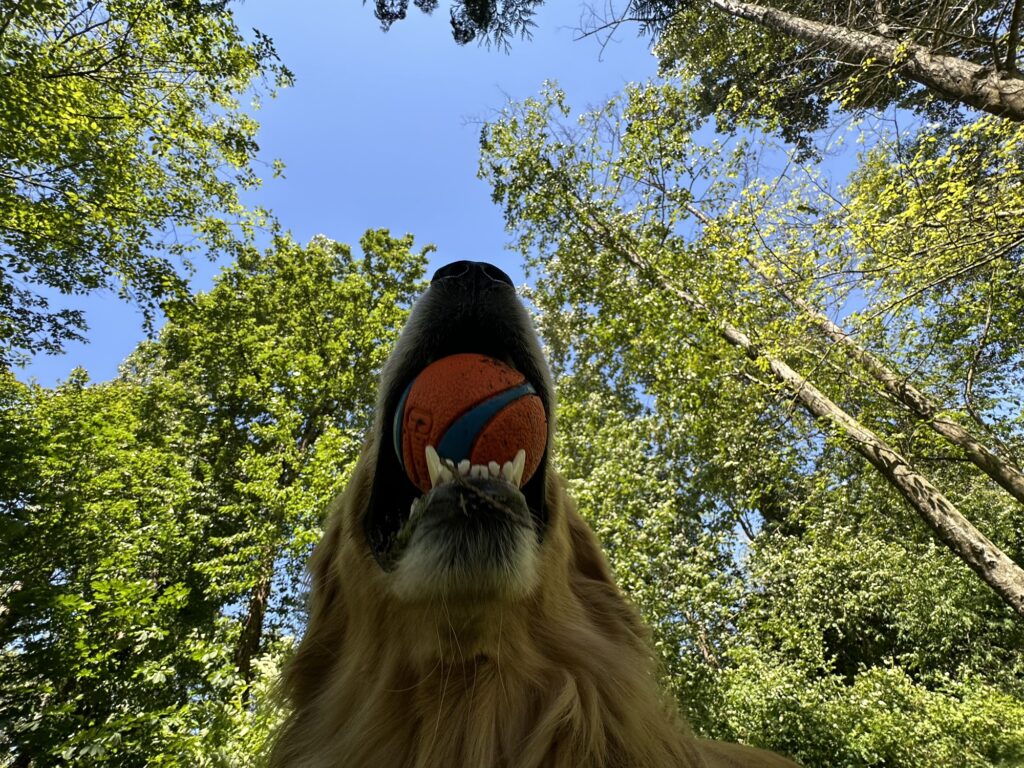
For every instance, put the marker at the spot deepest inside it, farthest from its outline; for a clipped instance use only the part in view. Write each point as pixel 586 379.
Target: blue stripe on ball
pixel 458 440
pixel 396 429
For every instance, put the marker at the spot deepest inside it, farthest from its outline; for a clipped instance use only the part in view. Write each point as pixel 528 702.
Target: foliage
pixel 748 72
pixel 123 149
pixel 155 526
pixel 949 205
pixel 790 66
pixel 470 19
pixel 810 612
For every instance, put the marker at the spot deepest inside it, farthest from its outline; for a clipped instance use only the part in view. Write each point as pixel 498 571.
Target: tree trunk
pixel 252 629
pixel 1008 477
pixel 922 406
pixel 992 565
pixel 986 88
pixel 1001 573
pixel 259 597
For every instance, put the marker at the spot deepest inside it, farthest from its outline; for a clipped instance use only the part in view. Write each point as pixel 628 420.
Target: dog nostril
pixel 495 274
pixel 455 269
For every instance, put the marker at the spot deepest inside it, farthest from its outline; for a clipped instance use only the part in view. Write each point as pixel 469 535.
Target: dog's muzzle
pixel 470 306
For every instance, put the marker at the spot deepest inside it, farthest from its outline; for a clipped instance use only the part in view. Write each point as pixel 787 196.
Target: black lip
pixel 476 498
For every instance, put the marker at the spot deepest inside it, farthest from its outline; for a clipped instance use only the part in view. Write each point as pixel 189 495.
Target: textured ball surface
pixel 469 406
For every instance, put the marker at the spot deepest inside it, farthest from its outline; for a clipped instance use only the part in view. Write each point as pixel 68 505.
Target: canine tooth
pixel 464 467
pixel 495 469
pixel 506 471
pixel 518 464
pixel 446 475
pixel 433 465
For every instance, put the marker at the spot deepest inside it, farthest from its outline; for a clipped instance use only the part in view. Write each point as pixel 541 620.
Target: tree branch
pixel 1013 38
pixel 986 88
pixel 990 563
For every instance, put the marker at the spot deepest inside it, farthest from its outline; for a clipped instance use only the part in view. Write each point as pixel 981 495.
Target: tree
pixel 155 527
pixel 683 292
pixel 786 64
pixel 805 58
pixel 470 19
pixel 550 186
pixel 123 148
pixel 284 352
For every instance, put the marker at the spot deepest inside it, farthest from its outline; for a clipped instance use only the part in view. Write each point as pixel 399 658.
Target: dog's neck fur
pixel 531 701
pixel 561 679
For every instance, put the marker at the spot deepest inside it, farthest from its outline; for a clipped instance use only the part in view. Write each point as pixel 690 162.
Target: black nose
pixel 473 275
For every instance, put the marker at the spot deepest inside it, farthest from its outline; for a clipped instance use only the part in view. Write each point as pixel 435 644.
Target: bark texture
pixel 986 88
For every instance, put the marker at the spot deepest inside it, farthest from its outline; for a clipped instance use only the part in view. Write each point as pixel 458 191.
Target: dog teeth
pixel 512 471
pixel 445 470
pixel 518 464
pixel 433 465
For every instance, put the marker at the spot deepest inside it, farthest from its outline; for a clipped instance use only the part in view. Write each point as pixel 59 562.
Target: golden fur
pixel 547 669
pixel 561 679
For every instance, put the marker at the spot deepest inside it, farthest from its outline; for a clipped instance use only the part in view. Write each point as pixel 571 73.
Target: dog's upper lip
pixel 464 500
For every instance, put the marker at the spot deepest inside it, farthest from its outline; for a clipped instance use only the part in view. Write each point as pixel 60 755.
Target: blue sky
pixel 381 130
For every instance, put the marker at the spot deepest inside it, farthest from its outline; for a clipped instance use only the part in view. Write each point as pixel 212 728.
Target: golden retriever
pixel 476 625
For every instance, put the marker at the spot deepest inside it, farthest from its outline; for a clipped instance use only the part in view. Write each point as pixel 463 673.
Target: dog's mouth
pixel 480 493
pixel 472 512
pixel 473 517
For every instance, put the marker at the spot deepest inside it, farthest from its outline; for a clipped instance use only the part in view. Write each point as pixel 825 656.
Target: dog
pixel 491 638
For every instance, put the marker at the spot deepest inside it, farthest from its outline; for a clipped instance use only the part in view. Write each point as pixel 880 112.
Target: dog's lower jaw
pixel 467 540
pixel 432 570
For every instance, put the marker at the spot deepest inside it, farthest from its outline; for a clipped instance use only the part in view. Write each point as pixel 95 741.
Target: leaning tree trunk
pixel 986 88
pixel 922 406
pixel 1000 572
pixel 992 565
pixel 1007 476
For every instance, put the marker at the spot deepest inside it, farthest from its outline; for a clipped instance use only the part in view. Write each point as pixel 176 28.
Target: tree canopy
pixel 787 65
pixel 124 147
pixel 688 300
pixel 791 406
pixel 155 527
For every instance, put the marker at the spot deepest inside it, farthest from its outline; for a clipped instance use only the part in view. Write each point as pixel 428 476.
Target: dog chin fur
pixel 434 569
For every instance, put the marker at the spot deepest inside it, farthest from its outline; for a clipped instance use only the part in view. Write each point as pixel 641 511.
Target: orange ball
pixel 469 406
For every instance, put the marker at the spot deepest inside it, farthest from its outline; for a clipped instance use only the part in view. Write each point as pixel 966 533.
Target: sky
pixel 381 131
